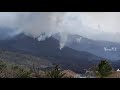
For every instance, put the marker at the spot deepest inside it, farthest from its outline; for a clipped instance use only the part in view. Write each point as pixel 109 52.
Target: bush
pixel 104 69
pixel 22 72
pixel 2 65
pixel 14 67
pixel 55 72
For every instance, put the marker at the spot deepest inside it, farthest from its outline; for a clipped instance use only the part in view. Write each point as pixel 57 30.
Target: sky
pixel 94 25
pixel 109 21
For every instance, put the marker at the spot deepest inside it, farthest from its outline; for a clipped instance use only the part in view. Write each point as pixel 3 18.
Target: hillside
pixel 68 58
pixel 25 60
pixel 95 47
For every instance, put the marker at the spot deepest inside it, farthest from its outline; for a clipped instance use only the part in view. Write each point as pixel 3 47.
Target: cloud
pixel 93 25
pixel 37 23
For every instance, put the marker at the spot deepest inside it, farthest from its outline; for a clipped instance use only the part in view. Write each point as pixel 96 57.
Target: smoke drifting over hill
pixel 36 24
pixel 98 26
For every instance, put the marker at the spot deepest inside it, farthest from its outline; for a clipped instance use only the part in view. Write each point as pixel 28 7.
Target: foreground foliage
pixel 13 71
pixel 104 69
pixel 16 71
pixel 55 72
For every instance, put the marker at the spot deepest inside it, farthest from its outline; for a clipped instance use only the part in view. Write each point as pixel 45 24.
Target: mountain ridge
pixel 68 58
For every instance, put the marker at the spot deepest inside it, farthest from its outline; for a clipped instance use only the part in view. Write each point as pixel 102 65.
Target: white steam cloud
pixel 37 23
pixel 41 25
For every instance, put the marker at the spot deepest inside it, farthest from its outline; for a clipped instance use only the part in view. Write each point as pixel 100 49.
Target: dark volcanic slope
pixel 49 49
pixel 94 47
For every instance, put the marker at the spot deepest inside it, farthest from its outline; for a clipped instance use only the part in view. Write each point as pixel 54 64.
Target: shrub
pixel 55 72
pixel 2 65
pixel 22 73
pixel 104 69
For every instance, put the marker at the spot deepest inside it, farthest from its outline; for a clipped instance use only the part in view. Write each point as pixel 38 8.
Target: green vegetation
pixel 21 72
pixel 104 69
pixel 13 71
pixel 2 65
pixel 55 72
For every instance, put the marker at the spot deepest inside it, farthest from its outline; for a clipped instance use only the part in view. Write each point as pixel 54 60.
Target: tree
pixel 2 65
pixel 55 72
pixel 104 69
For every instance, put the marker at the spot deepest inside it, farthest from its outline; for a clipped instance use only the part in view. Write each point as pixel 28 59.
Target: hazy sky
pixel 95 25
pixel 108 21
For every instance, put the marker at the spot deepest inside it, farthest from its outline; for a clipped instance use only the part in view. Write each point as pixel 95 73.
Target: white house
pixel 118 70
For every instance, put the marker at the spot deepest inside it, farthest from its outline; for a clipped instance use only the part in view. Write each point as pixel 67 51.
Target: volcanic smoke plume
pixel 41 25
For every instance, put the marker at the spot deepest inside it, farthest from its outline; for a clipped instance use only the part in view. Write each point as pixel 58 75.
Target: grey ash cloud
pixel 93 25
